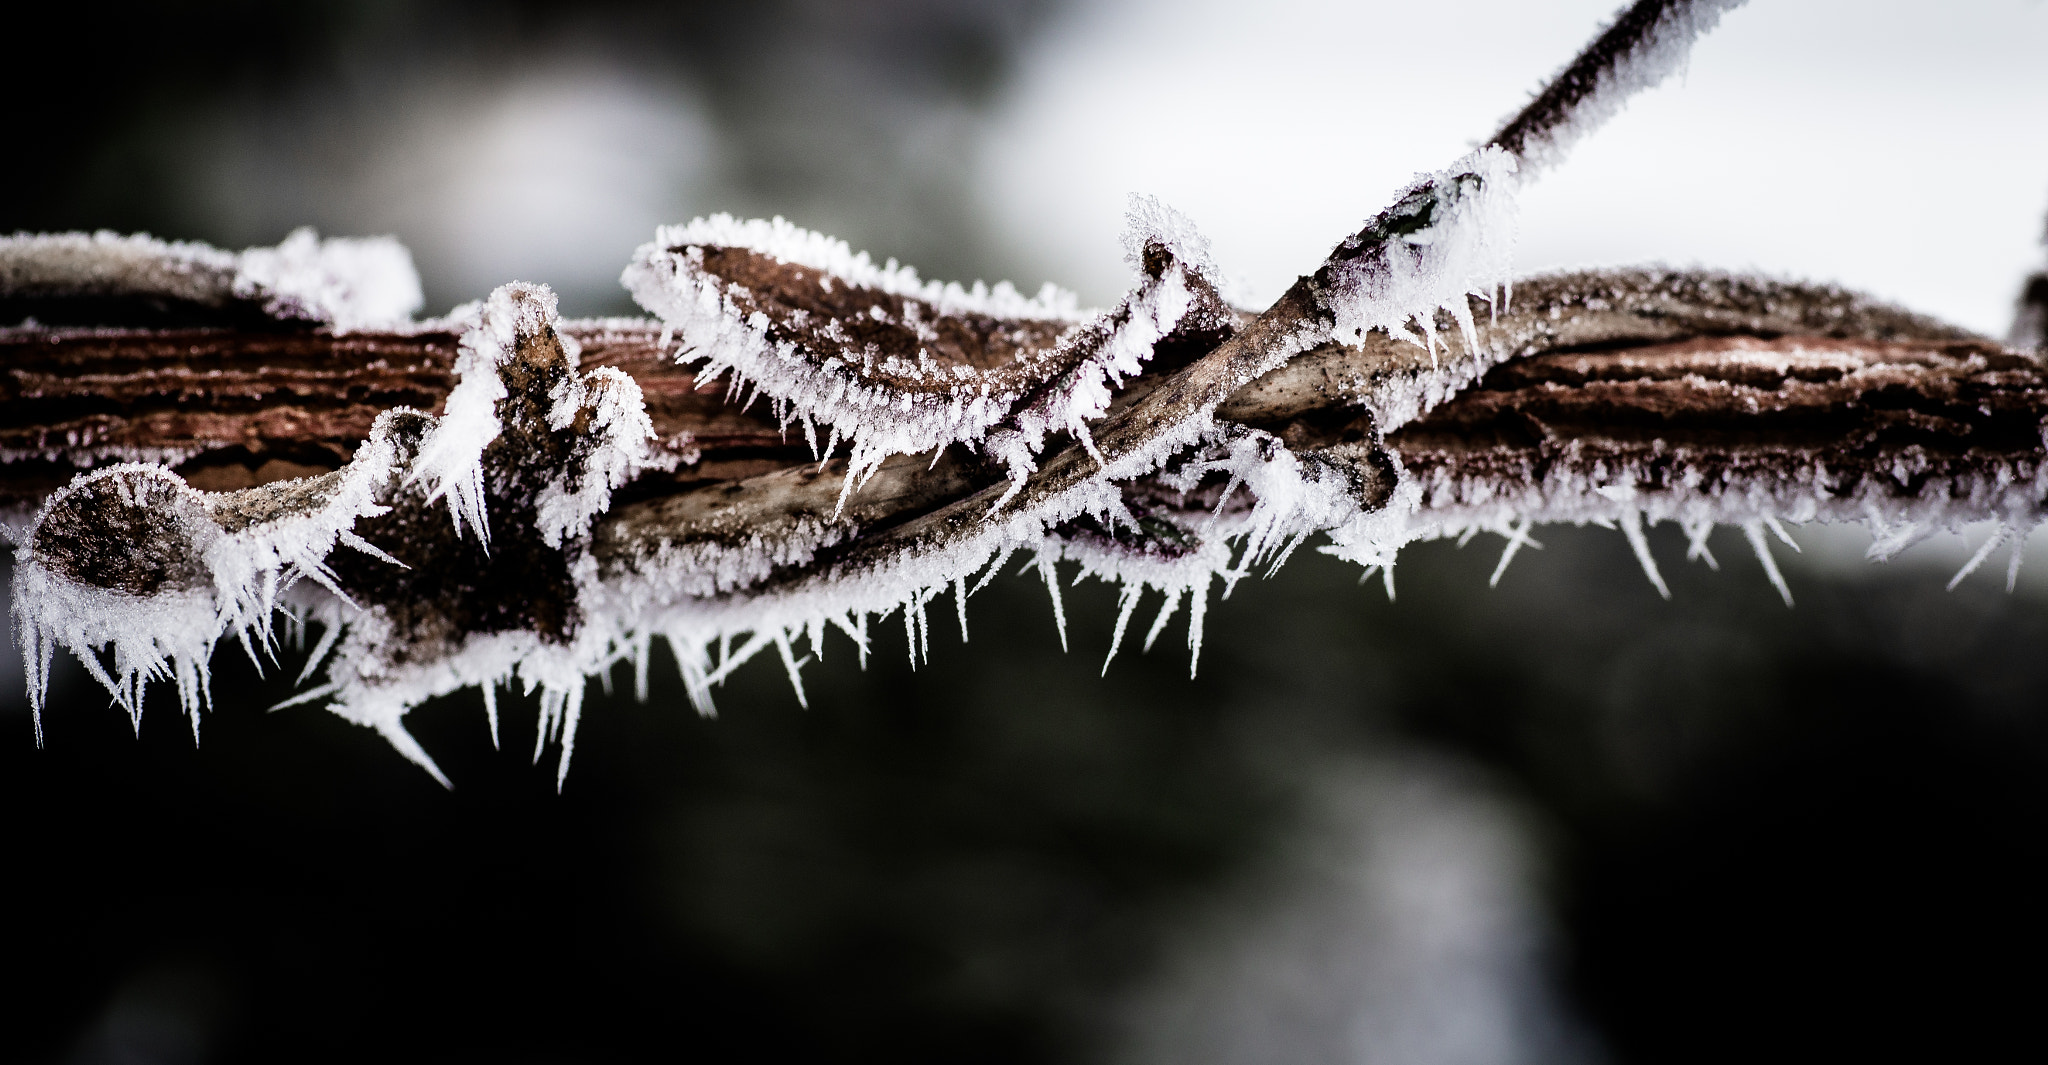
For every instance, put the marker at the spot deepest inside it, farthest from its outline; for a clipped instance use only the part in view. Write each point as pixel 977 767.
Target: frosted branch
pixel 1645 43
pixel 205 442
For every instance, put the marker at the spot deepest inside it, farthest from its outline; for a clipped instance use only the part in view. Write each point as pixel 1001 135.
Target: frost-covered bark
pixel 107 279
pixel 502 496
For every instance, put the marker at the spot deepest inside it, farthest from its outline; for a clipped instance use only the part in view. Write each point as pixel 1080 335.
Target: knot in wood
pixel 134 529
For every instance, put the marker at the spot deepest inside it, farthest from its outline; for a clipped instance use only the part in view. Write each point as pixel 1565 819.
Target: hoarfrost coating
pixel 1451 236
pixel 1365 406
pixel 893 365
pixel 347 284
pixel 1644 44
pixel 1173 518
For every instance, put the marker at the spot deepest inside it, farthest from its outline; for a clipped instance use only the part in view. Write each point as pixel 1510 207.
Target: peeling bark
pixel 525 498
pixel 1692 373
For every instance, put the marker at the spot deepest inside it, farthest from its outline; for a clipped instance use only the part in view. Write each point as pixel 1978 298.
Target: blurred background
pixel 1557 821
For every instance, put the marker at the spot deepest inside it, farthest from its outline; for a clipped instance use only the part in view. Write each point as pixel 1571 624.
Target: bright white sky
pixel 1895 147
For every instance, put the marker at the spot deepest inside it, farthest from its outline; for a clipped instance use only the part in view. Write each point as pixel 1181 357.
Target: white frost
pixel 721 600
pixel 238 581
pixel 1655 56
pixel 1007 418
pixel 615 448
pixel 1125 337
pixel 1454 236
pixel 451 460
pixel 345 283
pixel 350 283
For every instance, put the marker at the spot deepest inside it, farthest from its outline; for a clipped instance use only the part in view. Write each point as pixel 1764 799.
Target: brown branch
pixel 1635 49
pixel 1848 416
pixel 1691 374
pixel 1605 396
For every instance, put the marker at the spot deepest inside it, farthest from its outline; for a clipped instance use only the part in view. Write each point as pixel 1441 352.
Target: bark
pixel 1165 444
pixel 1695 375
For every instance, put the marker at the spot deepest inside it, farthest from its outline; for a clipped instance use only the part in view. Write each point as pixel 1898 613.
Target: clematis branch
pixel 803 441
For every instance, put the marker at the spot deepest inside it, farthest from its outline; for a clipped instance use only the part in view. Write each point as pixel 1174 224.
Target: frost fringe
pixel 1163 495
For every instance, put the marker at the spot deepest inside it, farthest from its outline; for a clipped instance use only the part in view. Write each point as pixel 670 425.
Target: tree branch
pixel 1686 372
pixel 806 440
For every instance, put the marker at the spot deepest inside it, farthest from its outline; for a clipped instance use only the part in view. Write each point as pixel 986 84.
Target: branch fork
pixel 507 497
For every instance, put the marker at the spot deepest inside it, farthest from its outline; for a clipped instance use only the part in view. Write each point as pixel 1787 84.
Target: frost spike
pixel 756 643
pixel 857 631
pixel 366 547
pixel 1778 530
pixel 692 662
pixel 328 635
pixel 960 603
pixel 490 690
pixel 571 716
pixel 1696 534
pixel 792 667
pixel 402 742
pixel 640 656
pixel 1198 611
pixel 911 619
pixel 1516 538
pixel 1990 544
pixel 1754 532
pixel 1632 528
pixel 304 697
pixel 994 568
pixel 37 666
pixel 2012 567
pixel 1052 587
pixel 547 723
pixel 1166 612
pixel 1126 604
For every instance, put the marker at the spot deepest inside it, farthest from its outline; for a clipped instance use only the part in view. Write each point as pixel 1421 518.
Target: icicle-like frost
pixel 915 398
pixel 1632 527
pixel 1052 588
pixel 900 366
pixel 1452 236
pixel 1126 604
pixel 188 580
pixel 1696 533
pixel 1518 537
pixel 710 600
pixel 451 460
pixel 1753 531
pixel 1991 543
